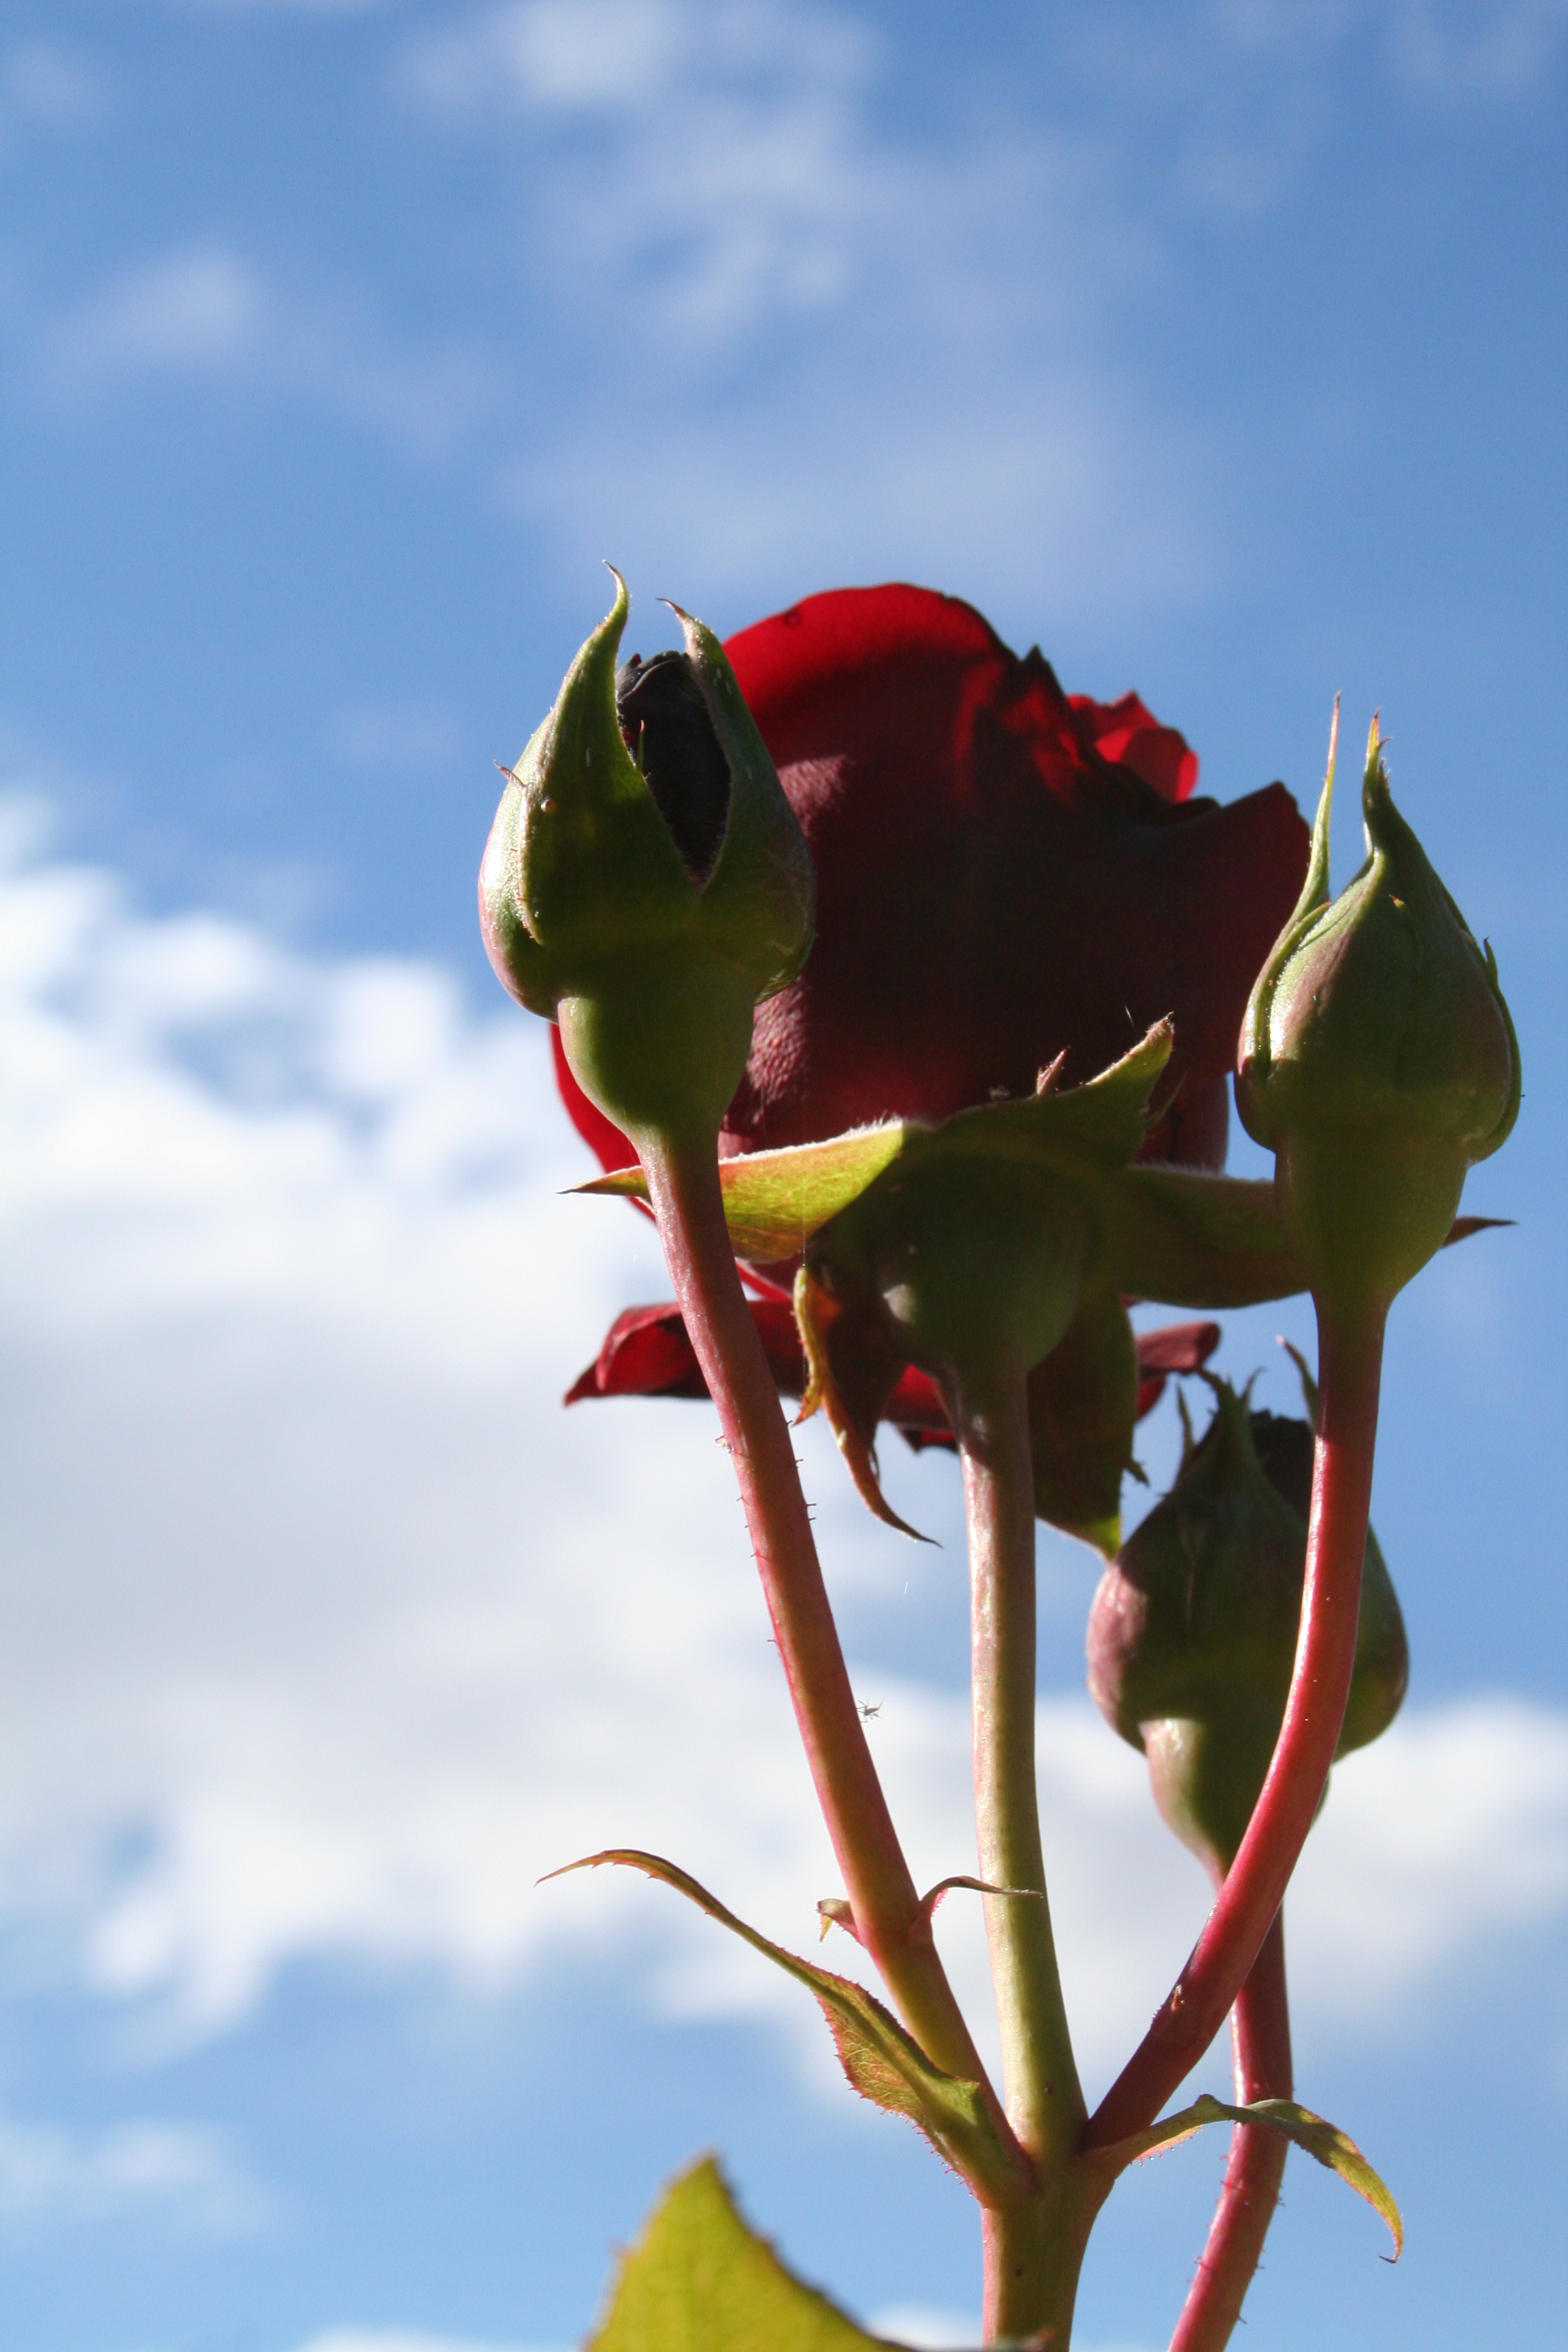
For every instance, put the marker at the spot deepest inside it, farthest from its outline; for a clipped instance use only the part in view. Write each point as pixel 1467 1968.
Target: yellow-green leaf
pixel 776 1201
pixel 885 2064
pixel 1320 2138
pixel 699 2280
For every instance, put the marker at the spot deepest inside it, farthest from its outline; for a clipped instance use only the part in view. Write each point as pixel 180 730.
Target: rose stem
pixel 683 1184
pixel 1350 1358
pixel 1261 2036
pixel 1045 2104
pixel 1032 2255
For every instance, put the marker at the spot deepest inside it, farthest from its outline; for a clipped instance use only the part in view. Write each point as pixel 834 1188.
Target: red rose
pixel 1005 873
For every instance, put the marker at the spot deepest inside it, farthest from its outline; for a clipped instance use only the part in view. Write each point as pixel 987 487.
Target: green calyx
pixel 1193 1633
pixel 975 1250
pixel 1377 1059
pixel 977 1238
pixel 975 1264
pixel 1083 1409
pixel 591 917
pixel 1007 1224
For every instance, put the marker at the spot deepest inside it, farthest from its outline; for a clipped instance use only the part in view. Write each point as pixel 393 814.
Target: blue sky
pixel 1221 349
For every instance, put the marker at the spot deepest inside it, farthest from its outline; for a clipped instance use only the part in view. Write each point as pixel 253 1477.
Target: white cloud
pixel 327 1631
pixel 629 56
pixel 195 310
pixel 897 345
pixel 549 53
pixel 205 311
pixel 926 2330
pixel 712 159
pixel 398 2339
pixel 1450 1832
pixel 50 2175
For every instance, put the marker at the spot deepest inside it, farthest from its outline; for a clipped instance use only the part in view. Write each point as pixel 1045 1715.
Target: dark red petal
pixel 647 1352
pixel 1195 1129
pixel 916 1403
pixel 918 1411
pixel 1129 733
pixel 991 891
pixel 1177 1347
pixel 868 667
pixel 1174 1348
pixel 958 953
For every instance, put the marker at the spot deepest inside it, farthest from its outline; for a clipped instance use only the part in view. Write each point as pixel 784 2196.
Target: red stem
pixel 1350 1361
pixel 1260 2034
pixel 683 1183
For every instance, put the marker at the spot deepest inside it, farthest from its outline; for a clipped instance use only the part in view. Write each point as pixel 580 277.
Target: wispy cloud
pixel 925 2330
pixel 1459 51
pixel 189 311
pixel 340 1633
pixel 205 311
pixel 752 325
pixel 394 735
pixel 771 336
pixel 51 86
pixel 738 179
pixel 183 2173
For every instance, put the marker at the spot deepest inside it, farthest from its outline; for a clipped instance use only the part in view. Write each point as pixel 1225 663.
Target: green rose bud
pixel 648 898
pixel 1191 1636
pixel 976 1262
pixel 1377 1060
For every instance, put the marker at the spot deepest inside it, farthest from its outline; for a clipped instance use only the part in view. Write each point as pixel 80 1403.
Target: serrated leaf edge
pixel 1320 2138
pixel 950 2112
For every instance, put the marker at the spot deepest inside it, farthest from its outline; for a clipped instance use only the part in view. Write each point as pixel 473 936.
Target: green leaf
pixel 1320 2138
pixel 1178 1235
pixel 776 1201
pixel 1190 1239
pixel 1101 1122
pixel 700 2281
pixel 884 2063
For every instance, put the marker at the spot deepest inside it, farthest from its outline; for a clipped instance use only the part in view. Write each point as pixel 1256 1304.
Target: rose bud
pixel 1191 1636
pixel 1377 1059
pixel 667 728
pixel 648 898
